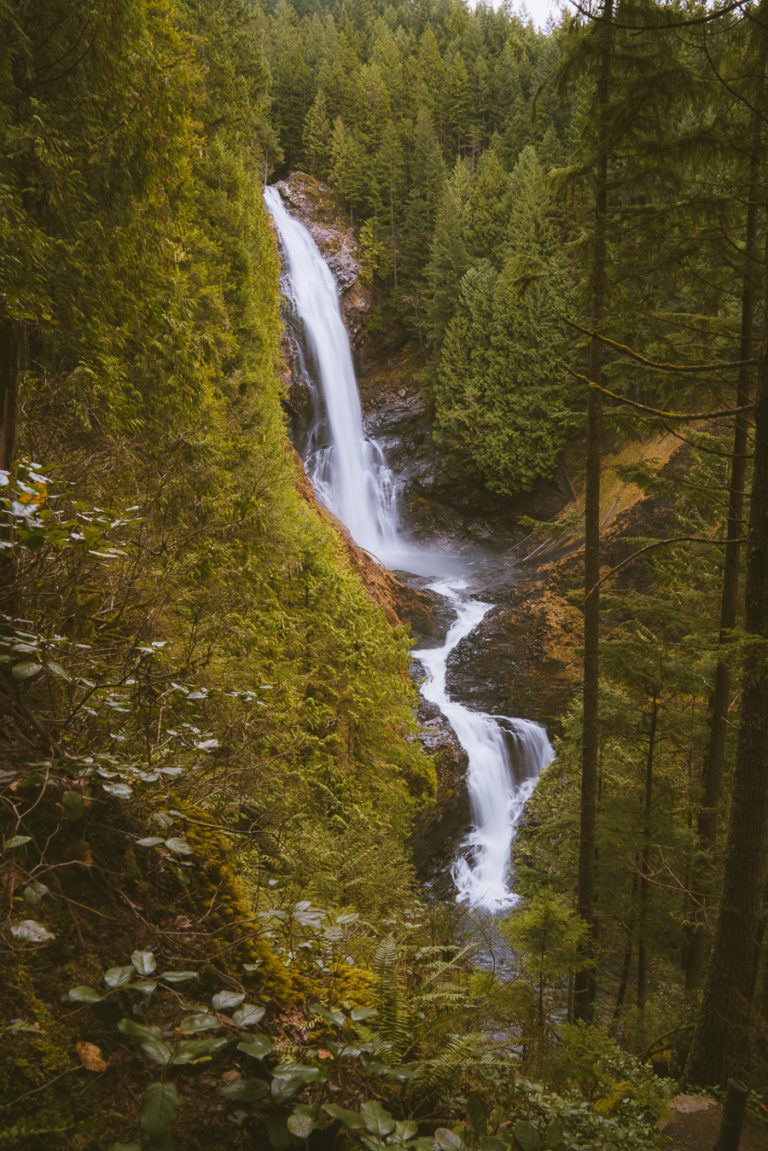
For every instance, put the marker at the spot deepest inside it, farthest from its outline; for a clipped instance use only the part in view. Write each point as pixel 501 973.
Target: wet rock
pixel 313 203
pixel 438 831
pixel 506 666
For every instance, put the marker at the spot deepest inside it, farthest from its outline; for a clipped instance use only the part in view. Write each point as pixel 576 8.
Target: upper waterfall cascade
pixel 351 476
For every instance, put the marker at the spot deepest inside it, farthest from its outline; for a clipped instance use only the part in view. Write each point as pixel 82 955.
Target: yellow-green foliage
pixel 37 1049
pixel 216 894
pixel 156 384
pixel 152 382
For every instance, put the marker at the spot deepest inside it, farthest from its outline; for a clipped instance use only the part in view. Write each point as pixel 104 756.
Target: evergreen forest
pixel 233 820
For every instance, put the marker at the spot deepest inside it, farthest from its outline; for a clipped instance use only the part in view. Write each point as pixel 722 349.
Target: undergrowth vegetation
pixel 212 934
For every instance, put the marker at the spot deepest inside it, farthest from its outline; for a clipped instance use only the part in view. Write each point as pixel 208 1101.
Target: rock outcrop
pixel 313 203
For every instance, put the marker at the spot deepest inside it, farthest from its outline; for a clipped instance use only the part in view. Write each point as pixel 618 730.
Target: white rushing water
pixel 350 474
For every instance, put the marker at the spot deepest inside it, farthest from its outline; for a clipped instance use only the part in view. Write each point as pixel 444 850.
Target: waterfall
pixel 349 472
pixel 351 476
pixel 499 784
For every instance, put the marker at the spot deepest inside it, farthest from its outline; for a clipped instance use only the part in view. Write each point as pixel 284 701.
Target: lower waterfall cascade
pixel 350 475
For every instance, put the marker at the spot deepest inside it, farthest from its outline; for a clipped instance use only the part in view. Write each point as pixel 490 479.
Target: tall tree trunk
pixel 645 865
pixel 584 982
pixel 714 762
pixel 626 965
pixel 10 366
pixel 721 1043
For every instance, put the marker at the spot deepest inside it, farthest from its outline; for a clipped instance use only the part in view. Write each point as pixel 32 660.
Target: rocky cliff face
pixel 312 202
pixel 438 505
pixel 504 667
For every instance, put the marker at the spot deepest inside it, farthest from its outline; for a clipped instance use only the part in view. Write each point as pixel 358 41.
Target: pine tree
pixel 448 258
pixel 457 104
pixel 723 1042
pixel 387 190
pixel 489 204
pixel 316 135
pixel 585 982
pixel 291 82
pixel 427 179
pixel 347 168
pixel 500 369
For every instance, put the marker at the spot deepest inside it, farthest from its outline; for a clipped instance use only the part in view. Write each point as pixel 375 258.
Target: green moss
pixel 217 895
pixel 41 1053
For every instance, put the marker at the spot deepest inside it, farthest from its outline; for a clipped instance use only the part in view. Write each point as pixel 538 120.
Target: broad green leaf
pixel 35 891
pixel 157 1051
pixel 201 1022
pixel 554 1134
pixel 226 1000
pixel 448 1140
pixel 143 986
pixel 144 962
pixel 178 845
pixel 248 1015
pixel 178 976
pixel 83 994
pixel 526 1136
pixel 352 1120
pixel 161 1102
pixel 72 805
pixel 377 1120
pixel 359 1013
pixel 300 1125
pixel 290 1078
pixel 196 1050
pixel 257 1045
pixel 280 1138
pixel 119 790
pixel 150 841
pixel 119 976
pixel 16 841
pixel 406 1129
pixel 25 669
pixel 330 1015
pixel 138 1030
pixel 244 1090
pixel 30 931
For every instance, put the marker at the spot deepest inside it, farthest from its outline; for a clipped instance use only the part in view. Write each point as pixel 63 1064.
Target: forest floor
pixel 697 1130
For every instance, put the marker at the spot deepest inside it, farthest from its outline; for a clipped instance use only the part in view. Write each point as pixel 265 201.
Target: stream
pixel 350 474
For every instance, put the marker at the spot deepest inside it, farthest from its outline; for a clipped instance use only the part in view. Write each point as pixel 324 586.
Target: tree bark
pixel 626 965
pixel 714 762
pixel 585 982
pixel 645 866
pixel 722 1040
pixel 10 367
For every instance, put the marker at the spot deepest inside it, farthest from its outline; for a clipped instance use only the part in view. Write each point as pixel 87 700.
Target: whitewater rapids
pixel 350 475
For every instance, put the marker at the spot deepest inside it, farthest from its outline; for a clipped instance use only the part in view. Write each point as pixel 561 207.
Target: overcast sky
pixel 540 10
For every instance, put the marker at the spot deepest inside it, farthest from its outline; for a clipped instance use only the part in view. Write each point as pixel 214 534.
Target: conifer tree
pixel 489 207
pixel 387 190
pixel 448 258
pixel 500 368
pixel 585 981
pixel 720 699
pixel 457 104
pixel 725 1032
pixel 316 135
pixel 347 168
pixel 427 180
